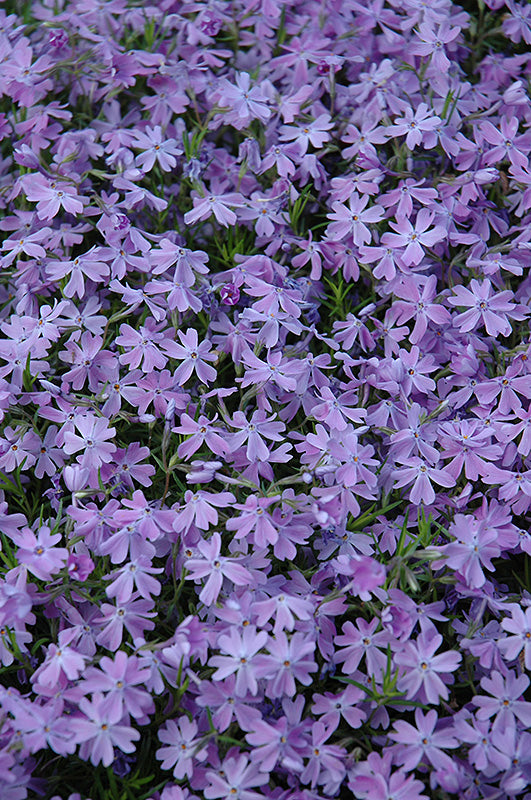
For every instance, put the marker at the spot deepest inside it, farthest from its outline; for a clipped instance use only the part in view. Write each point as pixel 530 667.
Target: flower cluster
pixel 265 400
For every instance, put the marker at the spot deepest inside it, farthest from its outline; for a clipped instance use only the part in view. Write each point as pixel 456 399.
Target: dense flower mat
pixel 265 388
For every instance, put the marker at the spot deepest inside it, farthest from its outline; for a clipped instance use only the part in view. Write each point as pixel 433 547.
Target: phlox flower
pixel 221 699
pixel 285 608
pixel 127 467
pixel 353 221
pixel 505 703
pixel 287 661
pixel 240 658
pixel 199 432
pixel 92 437
pixel 468 444
pixel 474 547
pixel 245 102
pixel 518 625
pixel 253 432
pixel 273 297
pixel 155 149
pixel 507 145
pixel 136 574
pixel 276 369
pixel 182 747
pixel 362 641
pixel 85 265
pixel 332 707
pixel 423 742
pixel 87 360
pixel 99 731
pixel 62 662
pixel 414 437
pixel 414 238
pixel 254 517
pixel 421 473
pixel 488 747
pixel 275 742
pixel 19 448
pixel 414 124
pixel 431 43
pixel 194 355
pixel 485 307
pixel 417 302
pixel 235 779
pixel 45 726
pixel 120 680
pixel 517 24
pixel 336 411
pixel 51 195
pixel 199 509
pixel 412 369
pixel 24 76
pixel 423 675
pixel 217 204
pixel 374 779
pixel 28 244
pixel 314 133
pixel 143 346
pixel 134 615
pixel 50 457
pixel 217 567
pixel 38 553
pixel 326 762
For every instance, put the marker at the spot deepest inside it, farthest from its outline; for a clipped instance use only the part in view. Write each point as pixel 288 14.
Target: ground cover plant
pixel 265 386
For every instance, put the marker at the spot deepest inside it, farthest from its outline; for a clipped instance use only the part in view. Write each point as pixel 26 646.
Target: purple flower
pixel 414 125
pixel 219 205
pixel 216 567
pixel 492 310
pixel 506 704
pixel 432 41
pixel 287 661
pixel 474 546
pixel 229 294
pixel 38 553
pixel 414 237
pixel 199 509
pixel 155 149
pixel 314 133
pixel 352 221
pixel 424 674
pixel 51 195
pixel 119 680
pixel 253 432
pixel 182 747
pixel 94 433
pixel 361 641
pixel 62 661
pixel 276 742
pixel 519 625
pixel 246 102
pixel 331 707
pixel 421 474
pixel 417 302
pixel 193 355
pixel 241 651
pixel 224 704
pixel 423 741
pixel 134 615
pixel 325 761
pixel 99 731
pixel 373 780
pixel 235 779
